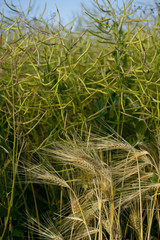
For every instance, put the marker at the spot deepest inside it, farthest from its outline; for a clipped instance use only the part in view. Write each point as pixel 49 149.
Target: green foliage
pixel 55 82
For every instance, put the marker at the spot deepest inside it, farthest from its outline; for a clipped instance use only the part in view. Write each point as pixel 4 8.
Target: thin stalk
pixel 112 213
pixel 81 213
pixel 140 200
pixel 14 160
pixel 36 207
pixel 152 212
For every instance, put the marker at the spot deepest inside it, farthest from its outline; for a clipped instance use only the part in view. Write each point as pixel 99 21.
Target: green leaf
pixel 3 211
pixel 141 128
pixel 154 178
pixel 18 233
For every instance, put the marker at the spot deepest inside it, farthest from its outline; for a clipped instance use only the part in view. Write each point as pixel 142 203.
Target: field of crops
pixel 80 126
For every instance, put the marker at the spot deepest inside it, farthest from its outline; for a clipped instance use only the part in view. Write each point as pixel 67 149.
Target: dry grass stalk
pixel 103 190
pixel 40 174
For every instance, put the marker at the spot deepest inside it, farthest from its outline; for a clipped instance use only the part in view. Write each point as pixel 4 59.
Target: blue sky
pixel 67 8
